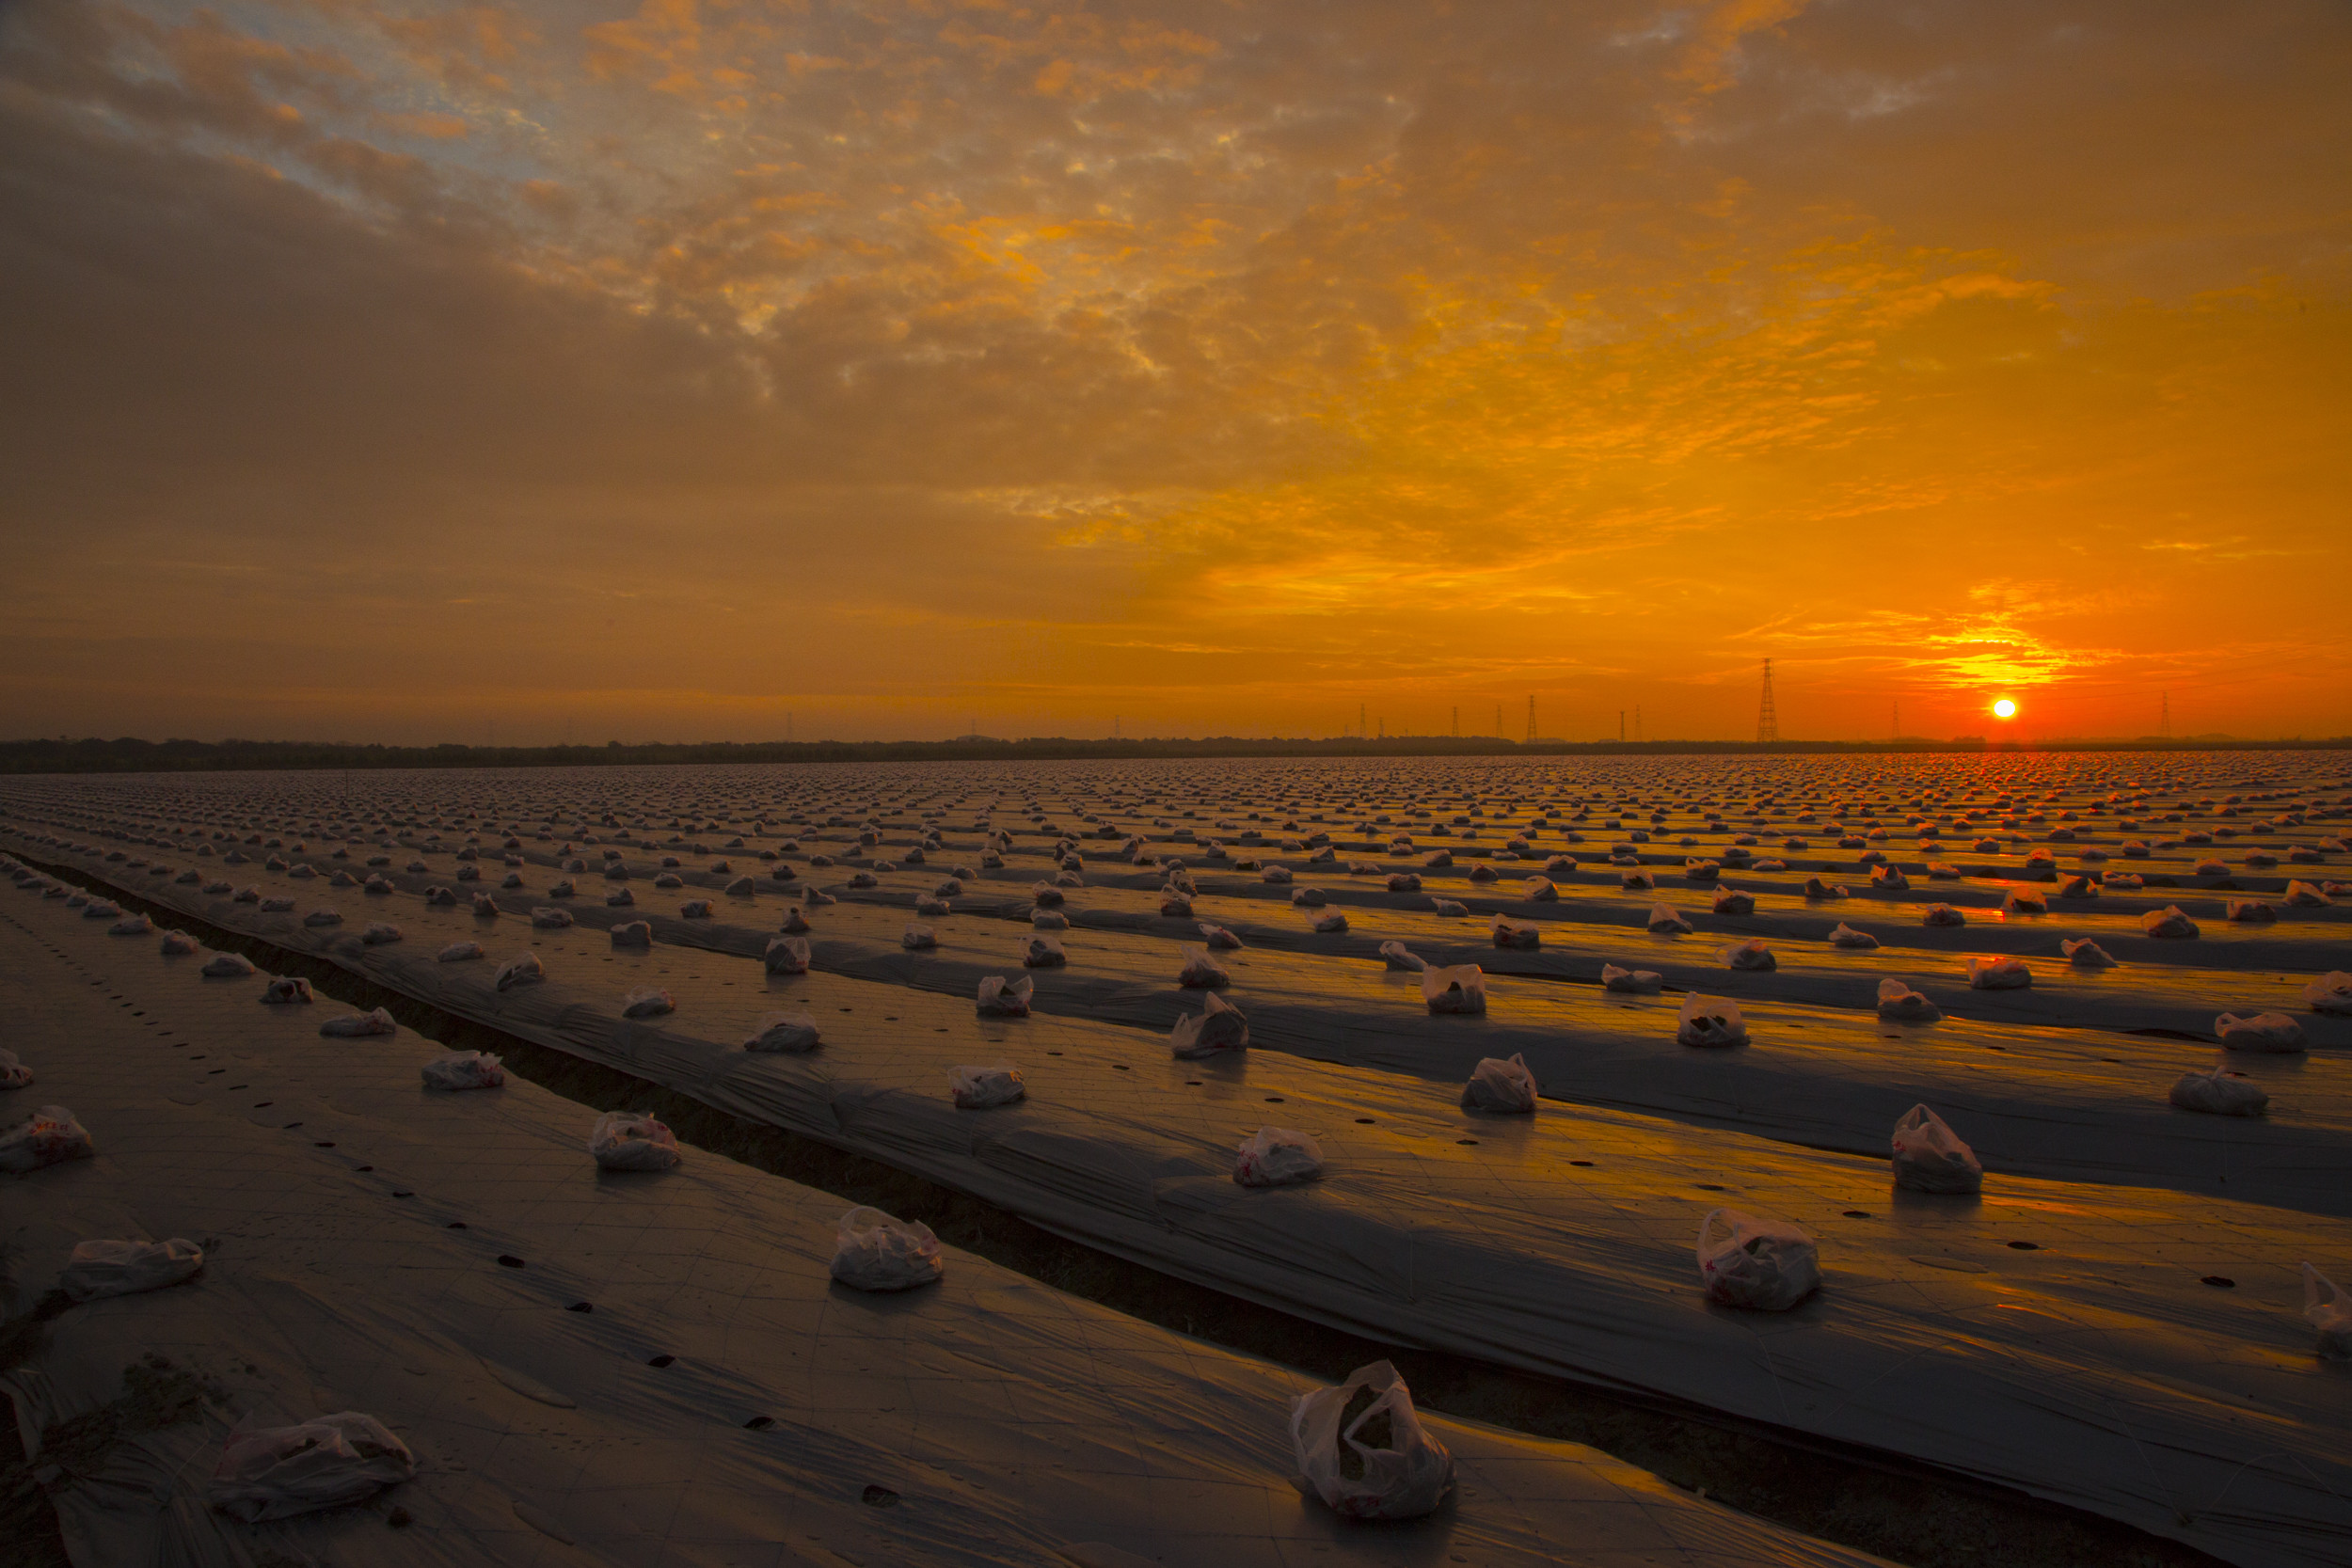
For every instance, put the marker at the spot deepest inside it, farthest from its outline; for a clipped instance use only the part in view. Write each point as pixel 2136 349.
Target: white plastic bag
pixel 1362 1450
pixel 287 988
pixel 1200 971
pixel 623 1140
pixel 1732 901
pixel 465 1070
pixel 1931 1158
pixel 2330 1312
pixel 113 1268
pixel 794 1033
pixel 550 919
pixel 787 956
pixel 1277 1157
pixel 1846 936
pixel 50 1136
pixel 2085 953
pixel 999 998
pixel 177 945
pixel 1663 922
pixel 1705 1021
pixel 523 969
pixel 1899 1004
pixel 1764 1265
pixel 1454 989
pixel 2271 1032
pixel 1633 982
pixel 918 938
pixel 461 951
pixel 352 1027
pixel 1044 952
pixel 2168 922
pixel 1750 954
pixel 2330 994
pixel 875 1252
pixel 1393 955
pixel 226 966
pixel 979 1088
pixel 633 933
pixel 14 1074
pixel 652 1002
pixel 1334 923
pixel 1999 975
pixel 282 1471
pixel 1943 914
pixel 1504 1088
pixel 1218 938
pixel 1218 1026
pixel 2220 1092
pixel 1521 935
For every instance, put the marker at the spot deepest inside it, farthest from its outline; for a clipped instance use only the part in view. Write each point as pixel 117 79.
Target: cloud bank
pixel 516 373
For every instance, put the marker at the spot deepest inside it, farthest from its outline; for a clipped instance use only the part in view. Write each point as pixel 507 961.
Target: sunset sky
pixel 517 373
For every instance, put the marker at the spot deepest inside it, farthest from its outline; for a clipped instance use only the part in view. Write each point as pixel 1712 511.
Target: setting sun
pixel 2004 709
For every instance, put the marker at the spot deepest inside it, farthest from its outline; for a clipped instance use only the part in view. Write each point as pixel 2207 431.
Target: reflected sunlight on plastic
pixel 2004 709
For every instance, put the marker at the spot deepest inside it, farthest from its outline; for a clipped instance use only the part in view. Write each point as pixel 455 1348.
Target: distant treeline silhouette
pixel 132 755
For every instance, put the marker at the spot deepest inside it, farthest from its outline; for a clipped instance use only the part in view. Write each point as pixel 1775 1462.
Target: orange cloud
pixel 1221 368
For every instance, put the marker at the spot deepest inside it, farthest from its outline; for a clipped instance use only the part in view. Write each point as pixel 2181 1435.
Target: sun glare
pixel 2005 709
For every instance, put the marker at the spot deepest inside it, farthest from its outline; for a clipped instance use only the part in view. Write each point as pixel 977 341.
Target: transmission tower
pixel 1767 721
pixel 1531 719
pixel 1457 722
pixel 1360 720
pixel 2164 723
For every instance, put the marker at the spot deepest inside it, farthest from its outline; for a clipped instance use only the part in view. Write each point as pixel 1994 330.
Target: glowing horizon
pixel 518 374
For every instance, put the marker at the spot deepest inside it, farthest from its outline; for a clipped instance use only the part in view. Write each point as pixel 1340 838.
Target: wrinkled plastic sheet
pixel 2089 1365
pixel 986 1420
pixel 2041 1090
